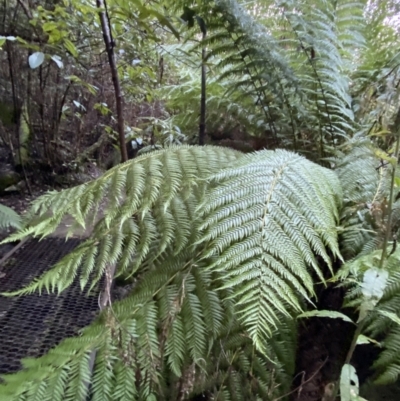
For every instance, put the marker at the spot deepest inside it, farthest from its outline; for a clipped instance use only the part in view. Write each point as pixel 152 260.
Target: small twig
pixel 394 246
pixel 303 382
pixel 12 251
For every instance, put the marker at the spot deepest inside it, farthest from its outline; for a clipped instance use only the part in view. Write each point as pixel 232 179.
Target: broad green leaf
pixel 49 26
pixel 392 316
pixel 23 41
pixel 54 36
pixel 36 60
pixel 366 340
pixel 374 283
pixel 326 313
pixel 348 383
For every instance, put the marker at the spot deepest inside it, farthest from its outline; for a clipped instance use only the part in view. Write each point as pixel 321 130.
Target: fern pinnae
pixel 278 285
pixel 9 218
pixel 36 393
pixel 118 240
pixel 181 215
pixel 210 303
pixel 175 346
pixel 128 253
pixel 147 346
pixel 103 372
pixel 172 179
pixel 195 330
pixel 124 388
pixel 57 384
pixel 116 193
pixel 167 227
pixel 80 375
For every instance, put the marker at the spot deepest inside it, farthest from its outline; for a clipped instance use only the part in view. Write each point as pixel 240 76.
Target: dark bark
pixel 106 29
pixel 322 348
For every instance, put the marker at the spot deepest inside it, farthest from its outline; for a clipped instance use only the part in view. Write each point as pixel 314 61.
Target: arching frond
pixel 289 203
pixel 139 209
pixel 205 316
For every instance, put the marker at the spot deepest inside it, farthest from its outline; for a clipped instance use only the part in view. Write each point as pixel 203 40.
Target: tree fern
pixel 292 61
pixel 213 304
pixel 273 211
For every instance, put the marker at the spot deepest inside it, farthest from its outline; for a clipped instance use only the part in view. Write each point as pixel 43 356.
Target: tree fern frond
pixel 255 216
pixel 9 218
pixel 175 347
pixel 141 213
pixel 202 311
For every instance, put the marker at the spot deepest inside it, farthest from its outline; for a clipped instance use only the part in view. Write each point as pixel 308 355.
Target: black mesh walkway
pixel 31 325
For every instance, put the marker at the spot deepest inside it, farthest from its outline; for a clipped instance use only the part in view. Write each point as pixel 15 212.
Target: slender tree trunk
pixel 17 109
pixel 107 36
pixel 202 127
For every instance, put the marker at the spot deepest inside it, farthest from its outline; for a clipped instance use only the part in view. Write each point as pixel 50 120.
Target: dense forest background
pixel 85 86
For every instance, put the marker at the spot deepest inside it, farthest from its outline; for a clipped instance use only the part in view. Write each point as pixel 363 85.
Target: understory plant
pixel 223 249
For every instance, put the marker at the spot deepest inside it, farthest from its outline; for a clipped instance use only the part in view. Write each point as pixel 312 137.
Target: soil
pixel 322 348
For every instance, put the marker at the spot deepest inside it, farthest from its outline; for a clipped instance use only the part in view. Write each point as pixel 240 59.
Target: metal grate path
pixel 31 325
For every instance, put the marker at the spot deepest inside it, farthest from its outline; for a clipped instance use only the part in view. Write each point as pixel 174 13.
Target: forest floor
pixel 20 201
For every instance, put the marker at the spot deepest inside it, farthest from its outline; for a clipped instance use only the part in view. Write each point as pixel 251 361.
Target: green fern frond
pixel 365 187
pixel 127 347
pixel 220 305
pixel 247 222
pixel 9 218
pixel 145 204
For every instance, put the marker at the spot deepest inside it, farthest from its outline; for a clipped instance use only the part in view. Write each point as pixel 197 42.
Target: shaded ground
pixel 20 201
pixel 322 348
